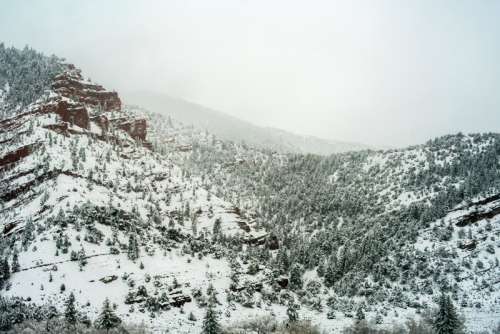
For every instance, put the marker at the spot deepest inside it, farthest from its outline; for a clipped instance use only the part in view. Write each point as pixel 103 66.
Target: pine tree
pixel 330 272
pixel 133 248
pixel 194 224
pixel 296 282
pixel 446 320
pixel 5 269
pixel 291 311
pixel 70 315
pixel 211 323
pixel 82 258
pixel 217 227
pixel 15 262
pixel 360 315
pixel 107 319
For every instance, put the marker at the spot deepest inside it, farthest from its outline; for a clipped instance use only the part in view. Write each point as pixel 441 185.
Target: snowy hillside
pixel 164 218
pixel 463 250
pixel 84 198
pixel 355 222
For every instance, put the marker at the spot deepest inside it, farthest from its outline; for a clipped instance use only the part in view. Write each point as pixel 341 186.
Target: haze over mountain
pixel 231 128
pixel 144 213
pixel 164 223
pixel 383 73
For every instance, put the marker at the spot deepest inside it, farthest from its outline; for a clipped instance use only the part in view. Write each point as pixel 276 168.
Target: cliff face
pixel 70 84
pixel 79 102
pixel 74 107
pixel 136 128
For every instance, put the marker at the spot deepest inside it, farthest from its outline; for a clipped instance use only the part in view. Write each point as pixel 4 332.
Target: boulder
pixel 178 299
pixel 469 244
pixel 108 279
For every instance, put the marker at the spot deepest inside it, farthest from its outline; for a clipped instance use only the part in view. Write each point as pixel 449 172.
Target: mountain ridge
pixel 105 200
pixel 232 128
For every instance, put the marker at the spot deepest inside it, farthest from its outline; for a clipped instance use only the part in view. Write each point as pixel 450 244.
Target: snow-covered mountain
pixel 381 230
pixel 84 201
pixel 112 201
pixel 230 128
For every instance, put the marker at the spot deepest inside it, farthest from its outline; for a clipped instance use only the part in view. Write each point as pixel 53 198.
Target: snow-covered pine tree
pixel 446 320
pixel 133 248
pixel 15 262
pixel 70 314
pixel 292 313
pixel 107 319
pixel 217 227
pixel 82 258
pixel 296 282
pixel 5 269
pixel 211 323
pixel 360 314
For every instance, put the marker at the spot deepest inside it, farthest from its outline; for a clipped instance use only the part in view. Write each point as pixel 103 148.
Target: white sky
pixel 379 72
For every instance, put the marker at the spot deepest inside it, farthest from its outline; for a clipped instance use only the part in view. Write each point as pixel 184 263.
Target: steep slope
pixel 230 128
pixel 463 252
pixel 382 231
pixel 85 201
pixel 109 201
pixel 24 77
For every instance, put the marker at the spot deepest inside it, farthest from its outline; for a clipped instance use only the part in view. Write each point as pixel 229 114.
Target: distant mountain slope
pixel 232 128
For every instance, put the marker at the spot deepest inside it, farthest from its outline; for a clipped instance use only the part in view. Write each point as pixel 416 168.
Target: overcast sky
pixel 378 72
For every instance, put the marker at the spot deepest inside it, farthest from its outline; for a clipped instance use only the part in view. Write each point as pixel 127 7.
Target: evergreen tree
pixel 107 319
pixel 330 272
pixel 446 320
pixel 296 282
pixel 217 227
pixel 194 224
pixel 133 248
pixel 5 269
pixel 82 258
pixel 360 314
pixel 211 323
pixel 292 313
pixel 70 314
pixel 15 262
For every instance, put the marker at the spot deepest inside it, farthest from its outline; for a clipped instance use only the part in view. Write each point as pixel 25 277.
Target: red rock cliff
pixel 70 84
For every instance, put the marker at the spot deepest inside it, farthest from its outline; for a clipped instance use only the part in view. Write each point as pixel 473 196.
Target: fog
pixel 386 73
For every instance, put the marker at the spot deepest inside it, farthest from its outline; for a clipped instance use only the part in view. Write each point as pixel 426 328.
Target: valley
pixel 167 220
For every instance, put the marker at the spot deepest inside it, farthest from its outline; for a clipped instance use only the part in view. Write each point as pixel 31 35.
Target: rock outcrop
pixel 15 156
pixel 136 128
pixel 81 108
pixel 71 113
pixel 71 84
pixel 79 102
